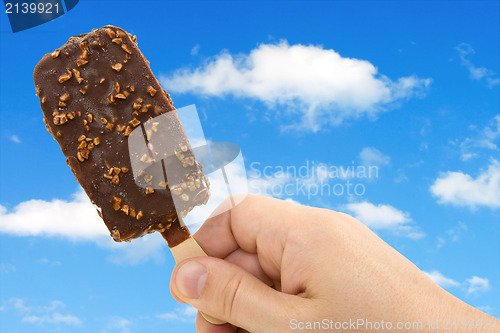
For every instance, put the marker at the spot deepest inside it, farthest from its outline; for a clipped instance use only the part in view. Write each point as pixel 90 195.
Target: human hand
pixel 275 265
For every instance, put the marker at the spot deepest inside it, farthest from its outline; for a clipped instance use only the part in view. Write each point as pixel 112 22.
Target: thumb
pixel 229 293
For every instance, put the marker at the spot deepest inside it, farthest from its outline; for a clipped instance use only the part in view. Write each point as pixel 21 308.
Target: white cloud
pixel 54 318
pixel 373 156
pixel 485 139
pixel 41 315
pixel 476 73
pixel 384 217
pixel 15 139
pixel 45 261
pixel 117 324
pixel 184 314
pixel 195 50
pixel 318 84
pixel 77 220
pixel 461 189
pixel 453 234
pixel 476 284
pixel 6 268
pixel 442 280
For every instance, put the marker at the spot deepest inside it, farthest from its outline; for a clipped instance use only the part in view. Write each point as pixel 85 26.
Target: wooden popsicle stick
pixel 189 249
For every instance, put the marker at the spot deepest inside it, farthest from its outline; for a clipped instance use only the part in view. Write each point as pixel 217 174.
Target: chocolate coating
pixel 94 91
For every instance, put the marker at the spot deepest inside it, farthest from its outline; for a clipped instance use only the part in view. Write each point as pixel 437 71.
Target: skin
pixel 273 261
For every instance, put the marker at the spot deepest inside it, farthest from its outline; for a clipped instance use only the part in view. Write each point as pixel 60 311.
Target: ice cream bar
pixel 94 91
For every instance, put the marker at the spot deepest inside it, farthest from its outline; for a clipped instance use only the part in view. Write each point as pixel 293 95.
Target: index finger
pixel 257 225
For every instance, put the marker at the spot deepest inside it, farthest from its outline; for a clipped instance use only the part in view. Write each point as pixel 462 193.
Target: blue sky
pixel 410 88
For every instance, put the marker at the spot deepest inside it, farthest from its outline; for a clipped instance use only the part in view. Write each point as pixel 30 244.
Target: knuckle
pixel 232 292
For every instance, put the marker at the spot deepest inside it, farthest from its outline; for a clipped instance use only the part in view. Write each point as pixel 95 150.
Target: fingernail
pixel 191 278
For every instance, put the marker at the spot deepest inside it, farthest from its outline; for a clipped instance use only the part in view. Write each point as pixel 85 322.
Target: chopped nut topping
pixel 90 117
pixel 183 147
pixel 126 93
pixel 104 120
pixel 135 114
pixel 102 80
pixel 85 122
pixel 84 46
pixel 132 88
pixel 87 128
pixel 65 77
pixel 37 90
pixel 132 212
pixel 115 180
pixel 197 182
pixel 126 48
pixel 80 157
pixel 78 76
pixel 120 33
pixel 148 178
pixel 81 62
pixel 60 119
pixel 151 91
pixel 61 104
pixel 81 138
pixel 97 141
pixel 115 234
pixel 117 86
pixel 136 106
pixel 90 146
pixel 85 153
pixel 145 108
pixel 134 122
pixel 44 99
pixel 71 115
pixel 117 170
pixel 189 161
pixel 162 184
pixel 64 97
pixel 117 67
pixel 154 127
pixel 111 98
pixel 139 215
pixel 149 133
pixel 82 145
pixel 128 130
pixel 134 38
pixel 125 209
pixel 177 190
pixel 121 96
pixel 110 126
pixel 117 40
pixel 191 186
pixel 107 176
pixel 110 33
pixel 84 90
pixel 124 169
pixel 56 53
pixel 117 203
pixel 149 190
pixel 120 127
pixel 158 110
pixel 140 100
